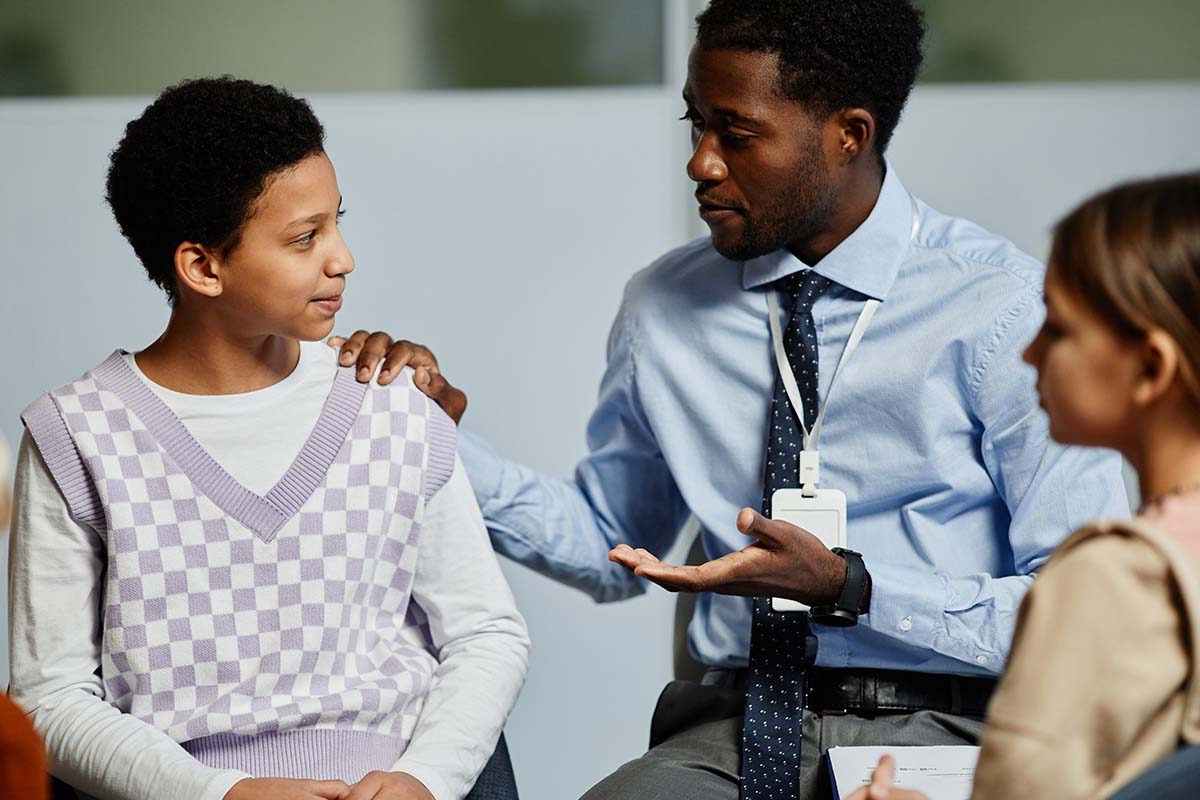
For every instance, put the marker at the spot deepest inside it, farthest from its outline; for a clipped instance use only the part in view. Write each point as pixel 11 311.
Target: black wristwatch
pixel 845 611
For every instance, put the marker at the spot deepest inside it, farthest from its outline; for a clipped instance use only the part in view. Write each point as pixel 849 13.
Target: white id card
pixel 823 515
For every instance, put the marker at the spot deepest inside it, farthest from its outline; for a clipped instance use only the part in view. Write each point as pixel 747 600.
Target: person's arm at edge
pixel 1073 695
pixel 482 642
pixel 54 652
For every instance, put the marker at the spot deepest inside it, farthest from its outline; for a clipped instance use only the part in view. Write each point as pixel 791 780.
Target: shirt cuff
pixel 909 604
pixel 221 783
pixel 437 786
pixel 906 603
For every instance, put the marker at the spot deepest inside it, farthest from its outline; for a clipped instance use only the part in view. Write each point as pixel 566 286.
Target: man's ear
pixel 198 268
pixel 1159 368
pixel 856 133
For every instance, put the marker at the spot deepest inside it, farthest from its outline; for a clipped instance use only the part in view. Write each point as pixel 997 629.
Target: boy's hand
pixel 287 789
pixel 389 786
pixel 369 348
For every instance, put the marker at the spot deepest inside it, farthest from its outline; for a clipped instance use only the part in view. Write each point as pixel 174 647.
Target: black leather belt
pixel 873 692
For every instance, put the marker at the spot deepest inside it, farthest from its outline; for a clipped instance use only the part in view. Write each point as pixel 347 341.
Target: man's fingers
pixel 435 385
pixel 738 573
pixel 647 556
pixel 404 353
pixel 627 557
pixel 674 579
pixel 367 349
pixel 399 356
pixel 623 554
pixel 351 347
pixel 452 400
pixel 373 351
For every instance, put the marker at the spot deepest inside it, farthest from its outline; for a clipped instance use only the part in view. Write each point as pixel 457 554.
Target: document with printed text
pixel 942 772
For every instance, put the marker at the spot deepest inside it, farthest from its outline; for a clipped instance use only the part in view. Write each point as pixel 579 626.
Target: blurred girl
pixel 1103 678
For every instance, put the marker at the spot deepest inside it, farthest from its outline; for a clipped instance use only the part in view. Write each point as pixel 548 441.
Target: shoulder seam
pixel 1000 265
pixel 999 332
pixel 44 421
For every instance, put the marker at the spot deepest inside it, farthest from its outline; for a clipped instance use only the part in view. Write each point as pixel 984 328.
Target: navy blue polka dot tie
pixel 781 643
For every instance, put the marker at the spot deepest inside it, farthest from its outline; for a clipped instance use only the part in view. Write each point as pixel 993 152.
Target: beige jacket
pixel 1102 680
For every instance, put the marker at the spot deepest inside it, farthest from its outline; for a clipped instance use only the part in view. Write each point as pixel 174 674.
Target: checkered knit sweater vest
pixel 273 634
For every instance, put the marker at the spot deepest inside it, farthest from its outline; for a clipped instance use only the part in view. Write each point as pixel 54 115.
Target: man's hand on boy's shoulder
pixel 368 348
pixel 389 786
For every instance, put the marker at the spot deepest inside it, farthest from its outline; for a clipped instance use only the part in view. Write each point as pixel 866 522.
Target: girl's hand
pixel 389 786
pixel 287 789
pixel 880 787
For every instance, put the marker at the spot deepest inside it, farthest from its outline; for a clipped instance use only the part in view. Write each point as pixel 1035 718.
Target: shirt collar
pixel 867 261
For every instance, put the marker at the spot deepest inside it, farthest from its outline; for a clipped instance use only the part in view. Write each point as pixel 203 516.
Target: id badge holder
pixel 823 515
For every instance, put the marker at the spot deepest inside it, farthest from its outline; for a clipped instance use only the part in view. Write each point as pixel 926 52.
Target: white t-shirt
pixel 56 570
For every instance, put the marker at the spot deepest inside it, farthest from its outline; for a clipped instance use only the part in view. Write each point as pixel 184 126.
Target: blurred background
pixel 120 47
pixel 507 165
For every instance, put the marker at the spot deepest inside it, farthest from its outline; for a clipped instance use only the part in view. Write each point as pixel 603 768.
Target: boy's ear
pixel 197 268
pixel 1160 368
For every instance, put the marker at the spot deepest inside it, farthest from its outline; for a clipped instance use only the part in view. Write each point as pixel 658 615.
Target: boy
pixel 236 572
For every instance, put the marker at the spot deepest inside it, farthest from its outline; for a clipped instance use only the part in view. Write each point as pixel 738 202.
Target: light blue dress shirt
pixel 956 495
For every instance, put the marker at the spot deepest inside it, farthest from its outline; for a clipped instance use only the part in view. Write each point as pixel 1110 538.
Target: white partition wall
pixel 499 228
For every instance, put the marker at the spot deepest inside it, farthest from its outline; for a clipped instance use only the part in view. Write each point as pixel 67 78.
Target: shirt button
pixel 980 659
pixel 906 624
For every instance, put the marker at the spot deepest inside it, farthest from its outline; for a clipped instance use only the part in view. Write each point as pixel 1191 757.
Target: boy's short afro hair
pixel 190 168
pixel 833 54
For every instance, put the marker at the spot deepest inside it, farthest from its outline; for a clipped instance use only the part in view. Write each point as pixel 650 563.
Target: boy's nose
pixel 342 262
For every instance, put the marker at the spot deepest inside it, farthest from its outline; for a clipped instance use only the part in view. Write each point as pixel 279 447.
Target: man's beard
pixel 796 215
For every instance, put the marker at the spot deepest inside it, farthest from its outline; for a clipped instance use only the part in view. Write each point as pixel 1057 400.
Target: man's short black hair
pixel 190 168
pixel 833 54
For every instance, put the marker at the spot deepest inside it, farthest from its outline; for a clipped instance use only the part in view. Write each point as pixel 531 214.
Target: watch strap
pixel 844 612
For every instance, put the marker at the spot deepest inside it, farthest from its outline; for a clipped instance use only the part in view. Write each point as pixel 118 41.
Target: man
pixel 954 493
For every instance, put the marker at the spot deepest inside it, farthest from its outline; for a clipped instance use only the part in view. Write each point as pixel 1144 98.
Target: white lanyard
pixel 810 463
pixel 810 469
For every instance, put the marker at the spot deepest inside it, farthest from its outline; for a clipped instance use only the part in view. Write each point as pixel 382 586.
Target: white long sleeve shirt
pixel 56 571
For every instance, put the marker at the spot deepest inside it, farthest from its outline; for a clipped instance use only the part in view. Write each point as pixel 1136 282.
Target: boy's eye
pixel 306 239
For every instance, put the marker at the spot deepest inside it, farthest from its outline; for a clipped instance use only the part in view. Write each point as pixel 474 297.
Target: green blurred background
pixel 119 47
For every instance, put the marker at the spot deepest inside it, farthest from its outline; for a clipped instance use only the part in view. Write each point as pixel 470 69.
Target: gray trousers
pixel 696 744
